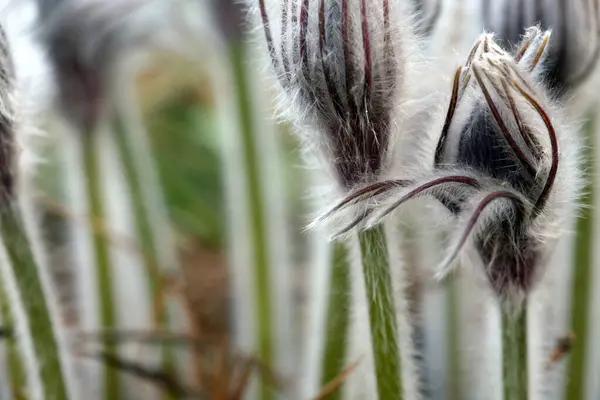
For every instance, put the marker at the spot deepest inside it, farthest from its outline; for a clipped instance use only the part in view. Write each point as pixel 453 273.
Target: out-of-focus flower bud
pixel 7 120
pixel 575 48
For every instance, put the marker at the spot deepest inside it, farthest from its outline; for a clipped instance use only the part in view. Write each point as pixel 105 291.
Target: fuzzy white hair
pixel 345 68
pixel 507 168
pixel 525 104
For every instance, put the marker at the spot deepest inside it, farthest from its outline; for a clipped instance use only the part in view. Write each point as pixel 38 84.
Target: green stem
pixel 16 370
pixel 145 234
pixel 382 313
pixel 256 210
pixel 29 286
pixel 454 353
pixel 514 348
pixel 93 182
pixel 338 318
pixel 582 277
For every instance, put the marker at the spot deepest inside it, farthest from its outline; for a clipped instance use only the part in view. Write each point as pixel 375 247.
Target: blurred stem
pixel 256 211
pixel 582 279
pixel 337 318
pixel 141 215
pixel 15 365
pixel 101 249
pixel 382 313
pixel 514 348
pixel 145 234
pixel 28 284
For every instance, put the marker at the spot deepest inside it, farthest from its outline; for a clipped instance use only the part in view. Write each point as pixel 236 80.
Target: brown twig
pixel 157 376
pixel 332 386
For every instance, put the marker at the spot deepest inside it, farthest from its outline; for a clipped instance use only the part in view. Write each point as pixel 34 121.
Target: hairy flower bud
pixel 506 167
pixel 84 39
pixel 575 48
pixel 504 127
pixel 342 66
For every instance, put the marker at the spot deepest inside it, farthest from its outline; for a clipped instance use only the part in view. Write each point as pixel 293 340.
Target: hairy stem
pixel 382 313
pixel 14 364
pixel 24 285
pixel 514 348
pixel 145 234
pixel 454 348
pixel 582 278
pixel 338 318
pixel 93 184
pixel 256 212
pixel 592 384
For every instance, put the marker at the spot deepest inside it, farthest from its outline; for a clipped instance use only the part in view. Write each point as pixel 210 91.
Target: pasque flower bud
pixel 341 65
pixel 84 40
pixel 506 167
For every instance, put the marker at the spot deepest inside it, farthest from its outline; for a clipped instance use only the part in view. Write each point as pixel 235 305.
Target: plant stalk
pixel 16 376
pixel 145 234
pixel 382 313
pixel 26 294
pixel 514 348
pixel 256 212
pixel 582 279
pixel 142 218
pixel 101 246
pixel 337 318
pixel 454 349
pixel 592 384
